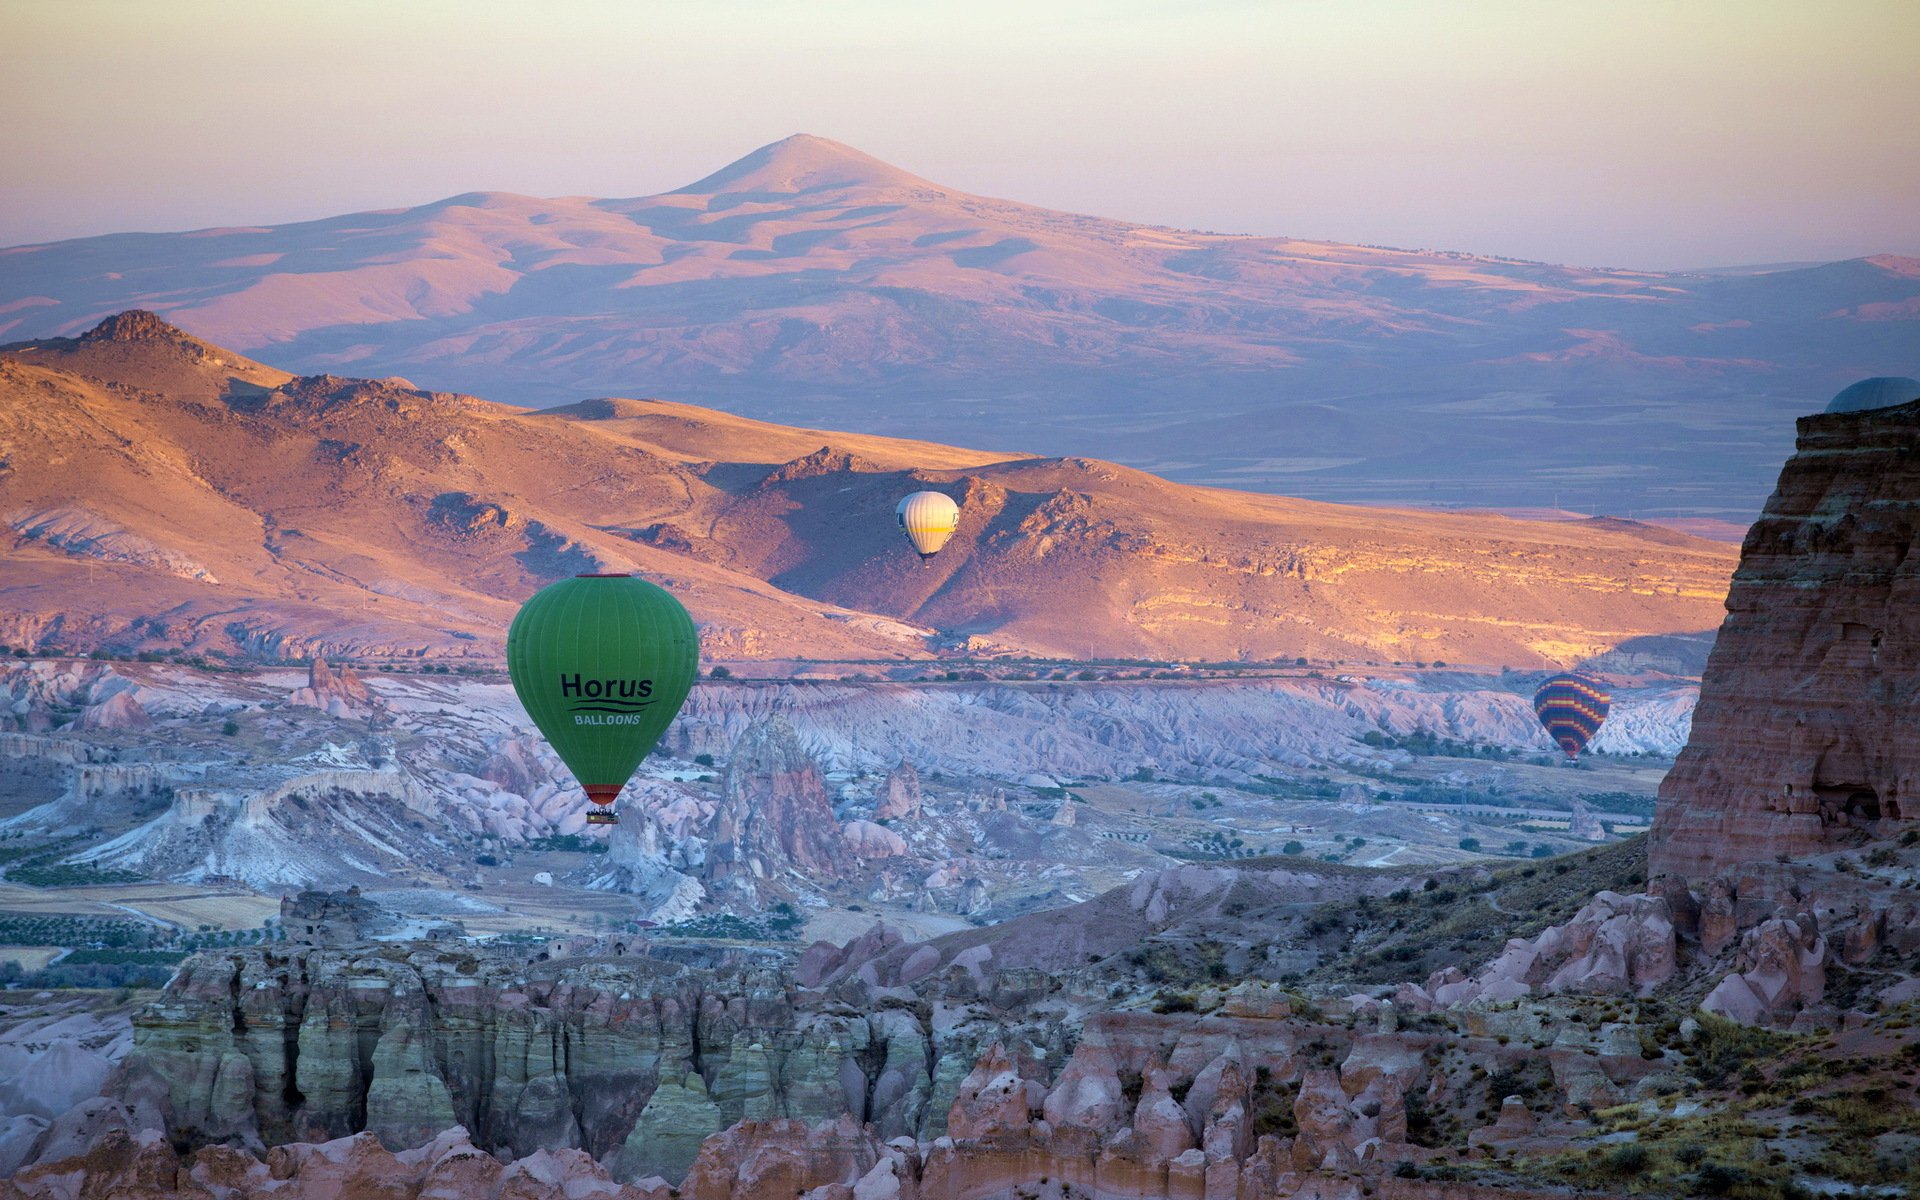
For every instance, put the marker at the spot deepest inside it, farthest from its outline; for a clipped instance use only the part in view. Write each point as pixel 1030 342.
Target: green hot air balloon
pixel 602 663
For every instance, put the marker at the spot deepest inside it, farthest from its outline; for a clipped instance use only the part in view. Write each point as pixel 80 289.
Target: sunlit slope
pixel 161 491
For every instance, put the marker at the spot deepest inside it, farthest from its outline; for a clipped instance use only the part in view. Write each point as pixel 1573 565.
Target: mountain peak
pixel 805 163
pixel 135 325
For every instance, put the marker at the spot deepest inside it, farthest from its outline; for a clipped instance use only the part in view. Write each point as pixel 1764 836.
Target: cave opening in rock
pixel 1863 805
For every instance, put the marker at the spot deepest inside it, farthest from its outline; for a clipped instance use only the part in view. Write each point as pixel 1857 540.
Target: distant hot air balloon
pixel 602 664
pixel 1572 708
pixel 928 519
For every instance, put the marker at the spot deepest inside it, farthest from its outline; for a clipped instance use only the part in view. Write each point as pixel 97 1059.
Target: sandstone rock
pixel 1613 946
pixel 640 861
pixel 118 711
pixel 1325 1121
pixel 899 1092
pixel 516 764
pixel 994 1100
pixel 774 814
pixel 1160 1125
pixel 339 693
pixel 1088 1094
pixel 1514 1122
pixel 1718 923
pixel 1781 969
pixel 667 1137
pixel 868 840
pixel 1801 740
pixel 18 1135
pixel 763 1159
pixel 47 1081
pixel 899 798
pixel 407 1103
pixel 119 1164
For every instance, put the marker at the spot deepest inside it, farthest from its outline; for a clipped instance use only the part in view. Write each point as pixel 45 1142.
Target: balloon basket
pixel 603 818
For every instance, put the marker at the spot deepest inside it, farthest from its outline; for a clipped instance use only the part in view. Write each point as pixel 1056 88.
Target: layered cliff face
pixel 733 1081
pixel 1802 741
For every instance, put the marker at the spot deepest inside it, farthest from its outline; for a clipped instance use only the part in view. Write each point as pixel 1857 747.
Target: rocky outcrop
pixel 634 1059
pixel 899 798
pixel 1781 970
pixel 643 860
pixel 865 839
pixel 118 711
pixel 1802 739
pixel 142 1166
pixel 1615 945
pixel 995 1100
pixel 339 693
pixel 773 815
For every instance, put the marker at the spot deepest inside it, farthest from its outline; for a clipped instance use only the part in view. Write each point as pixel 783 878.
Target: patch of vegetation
pixel 779 924
pixel 1425 744
pixel 1723 1048
pixel 569 843
pixel 1413 932
pixel 43 873
pixel 69 974
pixel 1181 963
pixel 147 958
pixel 21 929
pixel 1272 1104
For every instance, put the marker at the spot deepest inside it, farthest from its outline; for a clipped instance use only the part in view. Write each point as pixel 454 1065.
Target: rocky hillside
pixel 1152 1043
pixel 806 793
pixel 161 492
pixel 1701 1021
pixel 809 282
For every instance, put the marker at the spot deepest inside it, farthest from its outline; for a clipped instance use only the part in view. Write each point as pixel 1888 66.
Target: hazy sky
pixel 1668 134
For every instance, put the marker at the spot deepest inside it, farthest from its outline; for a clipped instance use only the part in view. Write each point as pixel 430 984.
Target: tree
pixel 1542 850
pixel 1468 843
pixel 1293 848
pixel 720 673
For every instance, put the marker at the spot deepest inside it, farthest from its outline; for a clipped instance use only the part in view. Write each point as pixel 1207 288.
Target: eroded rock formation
pixel 773 814
pixel 1802 741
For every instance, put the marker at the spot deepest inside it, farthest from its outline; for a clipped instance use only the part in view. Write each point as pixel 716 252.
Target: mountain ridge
pixel 160 491
pixel 848 292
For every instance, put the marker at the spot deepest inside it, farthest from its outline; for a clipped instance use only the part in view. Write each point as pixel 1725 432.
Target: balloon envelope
pixel 602 664
pixel 928 519
pixel 1571 708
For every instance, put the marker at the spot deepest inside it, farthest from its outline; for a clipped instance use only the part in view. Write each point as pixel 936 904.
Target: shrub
pixel 705 760
pixel 1627 1159
pixel 1469 843
pixel 1714 1179
pixel 720 673
pixel 230 728
pixel 1293 848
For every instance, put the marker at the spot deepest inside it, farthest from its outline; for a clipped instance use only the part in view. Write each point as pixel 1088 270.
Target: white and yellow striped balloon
pixel 928 519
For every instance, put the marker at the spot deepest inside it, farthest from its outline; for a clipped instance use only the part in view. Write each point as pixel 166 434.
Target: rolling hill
pixel 809 283
pixel 158 490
